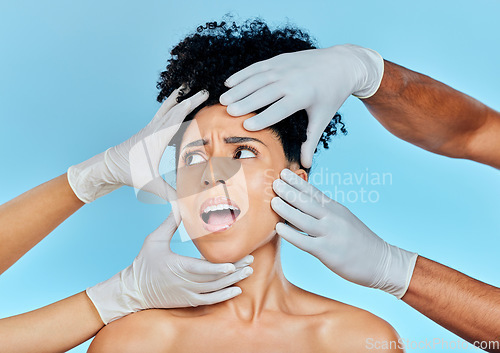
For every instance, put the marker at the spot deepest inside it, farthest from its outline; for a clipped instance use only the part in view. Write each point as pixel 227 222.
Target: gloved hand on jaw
pixel 160 278
pixel 338 238
pixel 134 162
pixel 317 80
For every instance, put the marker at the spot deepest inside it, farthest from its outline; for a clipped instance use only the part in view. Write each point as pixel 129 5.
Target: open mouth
pixel 218 213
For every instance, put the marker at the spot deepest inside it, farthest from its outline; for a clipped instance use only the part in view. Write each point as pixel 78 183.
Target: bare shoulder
pixel 147 330
pixel 340 327
pixel 348 328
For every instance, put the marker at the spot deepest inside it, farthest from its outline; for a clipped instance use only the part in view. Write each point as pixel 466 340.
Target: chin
pixel 221 253
pixel 222 258
pixel 232 248
pixel 222 246
pixel 230 245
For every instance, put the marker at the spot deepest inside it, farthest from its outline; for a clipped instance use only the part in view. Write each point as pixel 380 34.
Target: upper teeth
pixel 222 206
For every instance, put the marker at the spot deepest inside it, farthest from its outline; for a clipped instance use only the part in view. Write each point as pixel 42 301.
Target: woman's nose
pixel 219 170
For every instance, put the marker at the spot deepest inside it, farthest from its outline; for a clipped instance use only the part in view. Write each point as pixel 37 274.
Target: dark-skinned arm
pixel 461 304
pixel 435 117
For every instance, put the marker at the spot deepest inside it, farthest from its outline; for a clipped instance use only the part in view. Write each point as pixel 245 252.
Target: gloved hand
pixel 160 278
pixel 134 162
pixel 338 238
pixel 317 80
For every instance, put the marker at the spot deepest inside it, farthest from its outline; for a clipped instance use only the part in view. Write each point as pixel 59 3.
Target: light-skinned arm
pixel 28 218
pixel 157 278
pixel 57 327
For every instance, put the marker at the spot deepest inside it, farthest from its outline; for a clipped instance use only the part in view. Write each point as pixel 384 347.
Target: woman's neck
pixel 265 290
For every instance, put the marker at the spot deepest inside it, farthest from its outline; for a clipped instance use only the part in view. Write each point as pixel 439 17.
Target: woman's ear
pixel 301 173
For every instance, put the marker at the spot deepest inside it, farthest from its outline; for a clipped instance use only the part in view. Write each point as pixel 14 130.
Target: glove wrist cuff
pixel 91 179
pixel 113 299
pixel 400 271
pixel 373 68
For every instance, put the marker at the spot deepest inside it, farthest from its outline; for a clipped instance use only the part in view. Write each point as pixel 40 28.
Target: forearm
pixel 436 117
pixel 27 219
pixel 459 303
pixel 55 328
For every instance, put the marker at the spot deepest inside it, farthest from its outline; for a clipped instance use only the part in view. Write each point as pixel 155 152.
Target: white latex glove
pixel 338 238
pixel 317 80
pixel 160 278
pixel 134 162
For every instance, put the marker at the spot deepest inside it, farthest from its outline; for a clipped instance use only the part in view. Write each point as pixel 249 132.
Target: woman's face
pixel 224 184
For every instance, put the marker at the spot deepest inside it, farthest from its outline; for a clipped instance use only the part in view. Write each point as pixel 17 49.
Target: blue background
pixel 78 77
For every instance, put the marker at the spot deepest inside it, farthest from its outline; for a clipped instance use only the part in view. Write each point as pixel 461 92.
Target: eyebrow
pixel 229 140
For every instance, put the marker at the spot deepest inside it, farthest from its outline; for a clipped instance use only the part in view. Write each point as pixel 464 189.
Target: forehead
pixel 214 123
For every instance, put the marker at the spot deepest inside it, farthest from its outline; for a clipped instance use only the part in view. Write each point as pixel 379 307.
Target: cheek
pixel 188 188
pixel 260 185
pixel 188 215
pixel 260 192
pixel 185 206
pixel 188 180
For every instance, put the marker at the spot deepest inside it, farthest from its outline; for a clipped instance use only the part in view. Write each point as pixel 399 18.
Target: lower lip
pixel 215 228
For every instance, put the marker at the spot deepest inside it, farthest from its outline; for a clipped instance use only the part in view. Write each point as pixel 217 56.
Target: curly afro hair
pixel 206 58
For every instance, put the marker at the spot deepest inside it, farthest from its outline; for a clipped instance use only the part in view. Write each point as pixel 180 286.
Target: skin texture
pixel 24 221
pixel 27 219
pixel 245 187
pixel 465 306
pixel 434 116
pixel 271 314
pixel 57 327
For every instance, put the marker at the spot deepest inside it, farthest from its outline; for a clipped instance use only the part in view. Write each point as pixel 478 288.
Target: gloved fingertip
pixel 248 259
pixel 199 97
pixel 286 173
pixel 176 92
pixel 228 268
pixel 232 110
pixel 224 99
pixel 247 271
pixel 277 184
pixel 306 161
pixel 250 124
pixel 236 291
pixel 275 202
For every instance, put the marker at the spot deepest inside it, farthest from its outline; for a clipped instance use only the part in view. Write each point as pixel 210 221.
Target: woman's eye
pixel 244 153
pixel 194 159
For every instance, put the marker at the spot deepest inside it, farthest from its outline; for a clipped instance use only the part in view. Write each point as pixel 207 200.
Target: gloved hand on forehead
pixel 160 278
pixel 317 80
pixel 338 238
pixel 135 162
